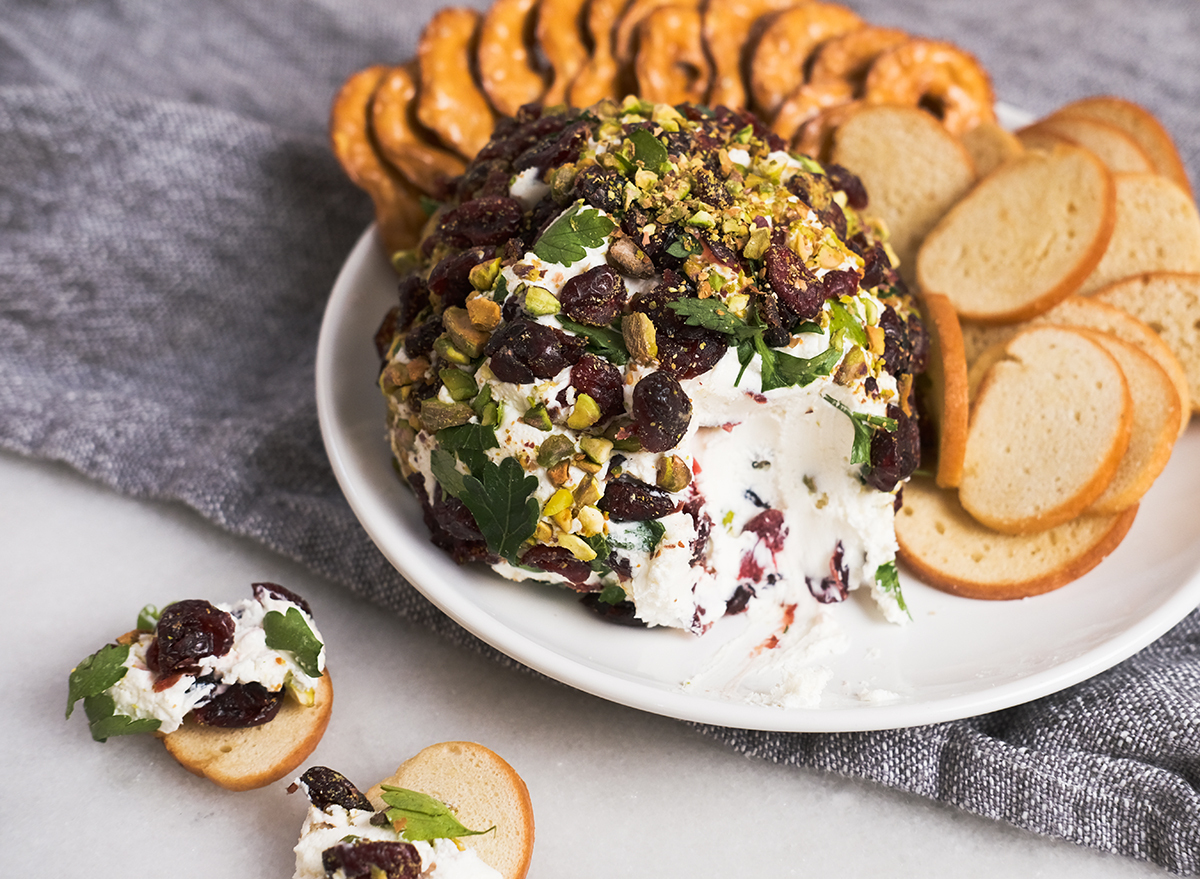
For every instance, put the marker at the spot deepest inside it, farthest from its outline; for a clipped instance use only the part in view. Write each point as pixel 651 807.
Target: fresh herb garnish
pixel 147 620
pixel 888 579
pixel 684 246
pixel 500 291
pixel 844 324
pixel 105 722
pixel 422 816
pixel 500 497
pixel 778 369
pixel 445 470
pixel 602 341
pixel 567 239
pixel 292 633
pixel 864 428
pixel 469 442
pixel 96 673
pixel 643 536
pixel 602 549
pixel 612 594
pixel 648 150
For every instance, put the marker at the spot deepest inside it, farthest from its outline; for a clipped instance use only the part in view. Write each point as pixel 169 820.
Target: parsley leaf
pixel 96 673
pixel 567 239
pixel 602 341
pixel 600 546
pixel 147 620
pixel 713 314
pixel 292 633
pixel 500 497
pixel 648 150
pixel 684 246
pixel 469 442
pixel 424 817
pixel 844 324
pixel 446 472
pixel 612 594
pixel 105 722
pixel 781 370
pixel 864 428
pixel 644 536
pixel 888 579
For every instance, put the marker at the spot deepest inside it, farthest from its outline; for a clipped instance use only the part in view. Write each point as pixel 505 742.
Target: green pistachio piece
pixel 539 300
pixel 460 385
pixel 537 416
pixel 446 349
pixel 673 473
pixel 555 448
pixel 584 414
pixel 483 276
pixel 437 415
pixel 465 336
pixel 597 448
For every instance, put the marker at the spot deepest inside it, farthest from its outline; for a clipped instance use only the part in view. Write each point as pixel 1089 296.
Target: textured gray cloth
pixel 171 221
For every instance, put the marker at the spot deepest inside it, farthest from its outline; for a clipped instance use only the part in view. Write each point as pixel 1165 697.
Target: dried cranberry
pixel 894 454
pixel 877 266
pixel 710 189
pixel 594 297
pixel 600 188
pixel 768 525
pixel 557 560
pixel 387 331
pixel 327 787
pixel 838 283
pixel 623 613
pixel 740 599
pixel 792 282
pixel 451 278
pixel 454 517
pixel 687 357
pixel 462 549
pixel 766 306
pixel 525 350
pixel 601 381
pixel 369 859
pixel 189 630
pixel 414 296
pixel 835 587
pixel 274 590
pixel 552 152
pixel 844 181
pixel 484 177
pixel 895 342
pixel 661 411
pixel 918 344
pixel 239 706
pixel 683 349
pixel 631 500
pixel 487 220
pixel 418 342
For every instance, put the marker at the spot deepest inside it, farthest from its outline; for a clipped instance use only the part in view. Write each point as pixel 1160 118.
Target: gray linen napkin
pixel 171 222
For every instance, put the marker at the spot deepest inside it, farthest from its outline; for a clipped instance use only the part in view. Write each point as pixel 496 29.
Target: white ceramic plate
pixel 956 659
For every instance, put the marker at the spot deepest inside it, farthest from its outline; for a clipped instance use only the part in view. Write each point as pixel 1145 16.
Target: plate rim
pixel 680 704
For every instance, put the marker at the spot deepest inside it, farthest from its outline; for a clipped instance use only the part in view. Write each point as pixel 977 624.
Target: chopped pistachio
pixel 418 368
pixel 537 416
pixel 559 501
pixel 489 416
pixel 591 521
pixel 404 261
pixel 562 183
pixel 597 448
pixel 483 275
pixel 460 385
pixel 673 473
pixel 578 547
pixel 437 415
pixel 760 240
pixel 876 338
pixel 702 219
pixel 738 303
pixel 852 368
pixel 484 313
pixel 544 533
pixel 539 300
pixel 559 473
pixel 465 336
pixel 584 414
pixel 447 350
pixel 394 375
pixel 639 334
pixel 587 492
pixel 564 519
pixel 556 447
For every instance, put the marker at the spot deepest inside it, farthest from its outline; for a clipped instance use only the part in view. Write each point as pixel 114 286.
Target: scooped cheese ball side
pixel 646 353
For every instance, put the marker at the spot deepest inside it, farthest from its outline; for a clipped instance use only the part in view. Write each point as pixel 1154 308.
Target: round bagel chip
pixel 483 791
pixel 1048 430
pixel 1024 238
pixel 937 76
pixel 947 401
pixel 951 551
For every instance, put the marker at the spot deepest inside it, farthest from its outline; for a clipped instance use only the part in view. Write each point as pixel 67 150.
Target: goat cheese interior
pixel 645 353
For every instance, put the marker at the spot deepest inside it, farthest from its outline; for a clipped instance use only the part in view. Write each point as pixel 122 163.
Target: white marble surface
pixel 616 792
